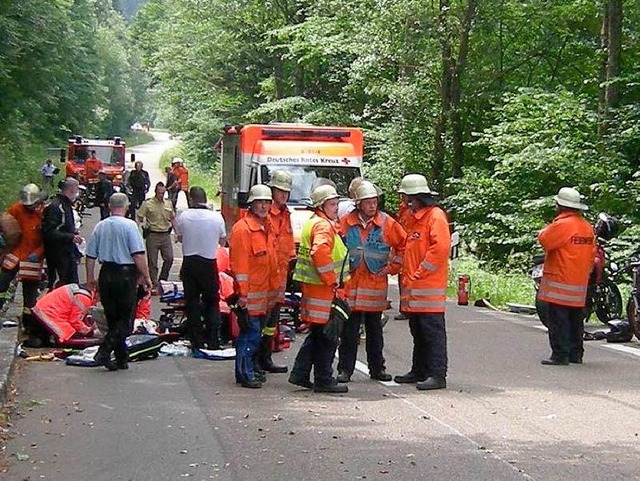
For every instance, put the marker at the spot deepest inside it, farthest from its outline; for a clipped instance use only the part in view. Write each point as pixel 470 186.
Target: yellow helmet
pixel 353 186
pixel 323 193
pixel 259 192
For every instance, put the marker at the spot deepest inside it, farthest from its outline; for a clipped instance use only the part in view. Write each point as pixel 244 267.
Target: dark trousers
pixel 246 348
pixel 173 197
pixel 566 326
pixel 349 342
pixel 63 267
pixel 117 287
pixel 202 299
pixel 29 288
pixel 104 210
pixel 429 344
pixel 137 198
pixel 316 352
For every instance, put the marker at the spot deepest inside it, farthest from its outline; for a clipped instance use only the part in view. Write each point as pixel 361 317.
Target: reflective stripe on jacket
pixel 570 247
pixel 280 224
pixel 30 222
pixel 252 258
pixel 321 253
pixel 381 235
pixel 426 262
pixel 62 311
pixel 320 259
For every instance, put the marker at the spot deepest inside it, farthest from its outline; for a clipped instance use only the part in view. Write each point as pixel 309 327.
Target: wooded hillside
pixel 498 102
pixel 65 67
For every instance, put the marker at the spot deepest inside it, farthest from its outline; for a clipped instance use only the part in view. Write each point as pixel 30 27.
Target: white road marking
pixel 629 350
pixel 362 367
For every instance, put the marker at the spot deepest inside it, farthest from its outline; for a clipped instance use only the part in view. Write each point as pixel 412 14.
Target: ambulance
pixel 251 153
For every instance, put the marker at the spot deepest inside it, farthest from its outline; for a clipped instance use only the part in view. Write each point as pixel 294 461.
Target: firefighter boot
pixel 264 356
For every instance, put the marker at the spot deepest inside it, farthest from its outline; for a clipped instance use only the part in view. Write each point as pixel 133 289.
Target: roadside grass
pixel 136 138
pixel 498 286
pixel 209 179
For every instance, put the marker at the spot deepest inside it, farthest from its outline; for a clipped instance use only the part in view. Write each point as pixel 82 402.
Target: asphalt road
pixel 503 417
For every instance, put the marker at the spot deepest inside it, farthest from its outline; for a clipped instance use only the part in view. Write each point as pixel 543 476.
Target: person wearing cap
pixel 279 224
pixel 254 266
pixel 321 258
pixel 570 247
pixel 117 245
pixel 376 244
pixel 182 176
pixel 425 269
pixel 201 231
pixel 61 238
pixel 25 259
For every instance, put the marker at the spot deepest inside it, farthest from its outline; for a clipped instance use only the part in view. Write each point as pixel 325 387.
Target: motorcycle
pixel 603 296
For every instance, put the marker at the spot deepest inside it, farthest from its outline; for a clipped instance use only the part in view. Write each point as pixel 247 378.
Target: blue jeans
pixel 246 347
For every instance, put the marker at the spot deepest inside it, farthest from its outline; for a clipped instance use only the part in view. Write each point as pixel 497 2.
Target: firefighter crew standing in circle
pixel 424 281
pixel 376 244
pixel 279 224
pixel 252 257
pixel 320 258
pixel 570 248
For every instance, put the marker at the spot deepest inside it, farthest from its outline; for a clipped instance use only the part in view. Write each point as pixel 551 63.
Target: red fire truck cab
pixel 111 153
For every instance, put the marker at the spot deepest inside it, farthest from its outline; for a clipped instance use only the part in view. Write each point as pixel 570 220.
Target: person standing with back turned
pixel 201 231
pixel 424 282
pixel 117 245
pixel 570 248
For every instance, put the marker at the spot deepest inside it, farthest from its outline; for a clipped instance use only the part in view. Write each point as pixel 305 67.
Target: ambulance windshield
pixel 305 175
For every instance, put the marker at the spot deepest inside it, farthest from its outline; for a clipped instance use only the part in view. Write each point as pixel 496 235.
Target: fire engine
pixel 251 153
pixel 110 151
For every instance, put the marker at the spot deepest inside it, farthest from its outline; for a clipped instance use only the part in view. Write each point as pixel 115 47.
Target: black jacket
pixel 139 181
pixel 58 226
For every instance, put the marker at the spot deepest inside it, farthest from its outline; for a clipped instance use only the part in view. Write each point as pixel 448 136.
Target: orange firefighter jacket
pixel 316 298
pixel 252 258
pixel 182 174
pixel 62 311
pixel 92 167
pixel 30 243
pixel 570 247
pixel 426 262
pixel 405 217
pixel 368 290
pixel 280 224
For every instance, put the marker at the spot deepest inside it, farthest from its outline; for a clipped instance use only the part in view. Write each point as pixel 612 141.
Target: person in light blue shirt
pixel 117 245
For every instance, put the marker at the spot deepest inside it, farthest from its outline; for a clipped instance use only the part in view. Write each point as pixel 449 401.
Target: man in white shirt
pixel 201 231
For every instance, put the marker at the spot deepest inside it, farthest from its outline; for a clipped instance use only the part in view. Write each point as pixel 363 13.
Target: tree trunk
pixel 611 44
pixel 457 127
pixel 439 140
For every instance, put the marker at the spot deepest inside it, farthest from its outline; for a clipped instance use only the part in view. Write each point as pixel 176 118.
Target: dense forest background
pixel 499 103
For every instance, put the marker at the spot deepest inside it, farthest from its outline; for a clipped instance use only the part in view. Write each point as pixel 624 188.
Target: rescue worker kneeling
pixel 62 313
pixel 253 262
pixel 424 282
pixel 321 257
pixel 376 245
pixel 570 248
